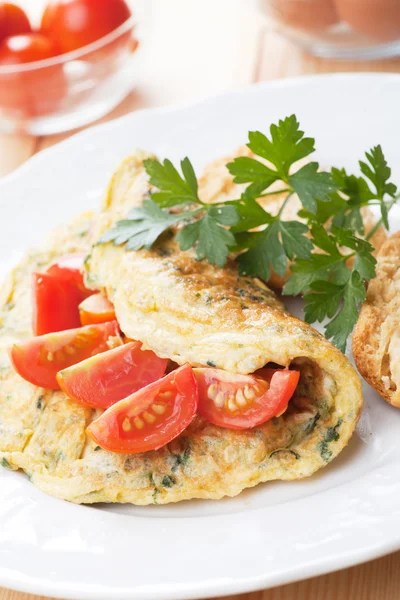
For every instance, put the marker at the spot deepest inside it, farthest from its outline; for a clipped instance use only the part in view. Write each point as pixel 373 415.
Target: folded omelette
pixel 190 312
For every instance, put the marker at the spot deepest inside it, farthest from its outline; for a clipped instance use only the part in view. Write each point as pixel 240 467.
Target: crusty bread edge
pixel 367 332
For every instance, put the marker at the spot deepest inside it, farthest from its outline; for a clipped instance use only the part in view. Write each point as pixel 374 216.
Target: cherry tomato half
pixel 244 401
pixel 70 268
pixel 13 20
pixel 57 295
pixel 55 304
pixel 103 380
pixel 96 309
pixel 77 23
pixel 149 418
pixel 38 360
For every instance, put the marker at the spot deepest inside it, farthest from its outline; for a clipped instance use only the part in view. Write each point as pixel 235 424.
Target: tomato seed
pixel 148 417
pixel 126 425
pixel 138 422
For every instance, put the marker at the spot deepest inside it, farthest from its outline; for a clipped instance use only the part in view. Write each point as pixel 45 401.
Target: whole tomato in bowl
pixel 73 69
pixel 28 91
pixel 77 23
pixel 13 20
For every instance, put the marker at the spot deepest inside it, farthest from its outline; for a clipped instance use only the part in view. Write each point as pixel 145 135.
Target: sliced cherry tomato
pixel 244 401
pixel 13 20
pixel 57 295
pixel 149 418
pixel 77 23
pixel 103 380
pixel 38 360
pixel 55 304
pixel 96 309
pixel 70 268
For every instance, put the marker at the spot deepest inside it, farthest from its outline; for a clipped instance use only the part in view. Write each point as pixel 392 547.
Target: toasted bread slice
pixel 376 338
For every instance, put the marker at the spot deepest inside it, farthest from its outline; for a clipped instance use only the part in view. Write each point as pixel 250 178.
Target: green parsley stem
pixel 282 208
pixel 276 192
pixel 379 222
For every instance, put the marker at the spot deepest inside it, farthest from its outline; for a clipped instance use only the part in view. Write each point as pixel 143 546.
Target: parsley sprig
pixel 329 256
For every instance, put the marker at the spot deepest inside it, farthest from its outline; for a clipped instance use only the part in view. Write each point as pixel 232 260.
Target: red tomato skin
pixel 272 402
pixel 77 23
pixel 107 431
pixel 107 378
pixel 70 268
pixel 30 47
pixel 96 309
pixel 57 295
pixel 39 359
pixel 13 20
pixel 55 304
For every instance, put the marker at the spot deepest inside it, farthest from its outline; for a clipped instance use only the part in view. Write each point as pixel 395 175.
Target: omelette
pixel 188 311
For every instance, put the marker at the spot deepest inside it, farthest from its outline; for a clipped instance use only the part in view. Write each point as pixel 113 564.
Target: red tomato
pixel 244 401
pixel 55 304
pixel 77 23
pixel 13 20
pixel 149 418
pixel 35 92
pixel 38 360
pixel 57 295
pixel 96 309
pixel 70 268
pixel 21 49
pixel 103 380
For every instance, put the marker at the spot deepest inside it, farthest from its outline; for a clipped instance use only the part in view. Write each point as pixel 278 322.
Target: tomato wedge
pixel 38 360
pixel 55 304
pixel 70 268
pixel 104 379
pixel 149 418
pixel 96 309
pixel 57 295
pixel 244 401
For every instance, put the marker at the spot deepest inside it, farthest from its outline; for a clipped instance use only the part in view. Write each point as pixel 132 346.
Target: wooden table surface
pixel 194 50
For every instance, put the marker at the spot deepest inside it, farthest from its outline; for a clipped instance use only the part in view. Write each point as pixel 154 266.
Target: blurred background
pixel 180 51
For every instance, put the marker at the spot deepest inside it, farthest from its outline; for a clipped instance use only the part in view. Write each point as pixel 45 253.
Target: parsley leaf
pixel 142 228
pixel 342 325
pixel 318 266
pixel 250 170
pixel 311 185
pixel 364 261
pixel 378 172
pixel 294 239
pixel 338 301
pixel 213 240
pixel 173 189
pixel 264 250
pixel 272 247
pixel 250 214
pixel 325 210
pixel 286 146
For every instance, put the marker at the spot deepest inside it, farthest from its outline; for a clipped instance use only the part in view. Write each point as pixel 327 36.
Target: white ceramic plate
pixel 278 532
